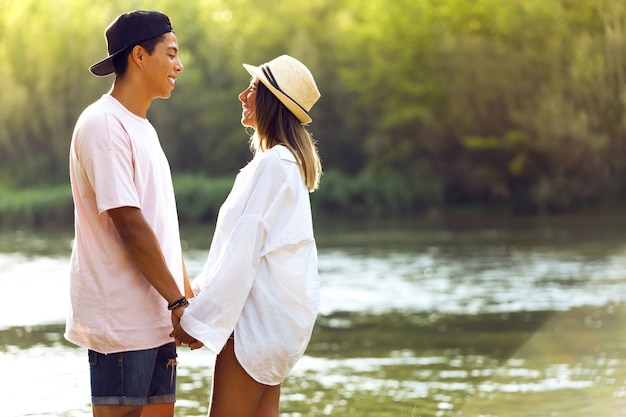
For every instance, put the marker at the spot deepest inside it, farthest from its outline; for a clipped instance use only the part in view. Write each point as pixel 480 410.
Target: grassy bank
pixel 36 207
pixel 199 199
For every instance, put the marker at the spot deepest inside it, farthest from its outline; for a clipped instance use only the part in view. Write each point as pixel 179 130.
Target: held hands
pixel 179 334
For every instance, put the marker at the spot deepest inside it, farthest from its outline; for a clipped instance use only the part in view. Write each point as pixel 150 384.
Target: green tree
pixel 519 103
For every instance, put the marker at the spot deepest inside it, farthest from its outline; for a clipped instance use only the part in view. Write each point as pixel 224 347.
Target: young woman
pixel 257 297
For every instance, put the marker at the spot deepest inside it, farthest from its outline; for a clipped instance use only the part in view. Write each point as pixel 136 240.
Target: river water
pixel 454 317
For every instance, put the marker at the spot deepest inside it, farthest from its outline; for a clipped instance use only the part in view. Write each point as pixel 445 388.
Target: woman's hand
pixel 183 338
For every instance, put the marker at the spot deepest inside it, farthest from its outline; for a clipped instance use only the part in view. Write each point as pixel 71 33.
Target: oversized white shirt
pixel 260 277
pixel 116 160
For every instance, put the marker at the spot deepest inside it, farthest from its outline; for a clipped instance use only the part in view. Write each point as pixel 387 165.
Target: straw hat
pixel 291 82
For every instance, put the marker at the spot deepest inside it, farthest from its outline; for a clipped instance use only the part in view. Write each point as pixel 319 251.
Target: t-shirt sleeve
pixel 108 163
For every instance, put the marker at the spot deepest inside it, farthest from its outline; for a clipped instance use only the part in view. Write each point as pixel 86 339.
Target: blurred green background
pixel 516 106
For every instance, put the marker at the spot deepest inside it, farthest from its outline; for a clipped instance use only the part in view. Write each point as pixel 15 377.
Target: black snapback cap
pixel 127 30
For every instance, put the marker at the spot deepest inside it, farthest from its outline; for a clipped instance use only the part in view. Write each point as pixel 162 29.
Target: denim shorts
pixel 134 378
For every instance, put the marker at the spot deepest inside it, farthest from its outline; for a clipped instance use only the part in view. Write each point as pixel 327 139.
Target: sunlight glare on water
pixel 460 285
pixel 45 382
pixel 44 279
pixel 433 324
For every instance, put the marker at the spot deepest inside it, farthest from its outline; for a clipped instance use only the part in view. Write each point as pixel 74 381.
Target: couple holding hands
pixel 132 303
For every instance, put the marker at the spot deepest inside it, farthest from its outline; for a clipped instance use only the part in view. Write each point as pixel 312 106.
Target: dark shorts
pixel 134 378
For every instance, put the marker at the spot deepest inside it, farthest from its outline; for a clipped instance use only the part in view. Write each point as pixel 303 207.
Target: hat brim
pixel 297 111
pixel 105 67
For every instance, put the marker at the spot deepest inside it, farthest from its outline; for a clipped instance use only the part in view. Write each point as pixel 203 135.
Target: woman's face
pixel 248 100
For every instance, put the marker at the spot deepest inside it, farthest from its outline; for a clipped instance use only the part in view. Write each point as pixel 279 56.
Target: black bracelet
pixel 178 303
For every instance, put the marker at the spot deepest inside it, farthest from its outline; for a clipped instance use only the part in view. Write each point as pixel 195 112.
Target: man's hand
pixel 181 337
pixel 176 315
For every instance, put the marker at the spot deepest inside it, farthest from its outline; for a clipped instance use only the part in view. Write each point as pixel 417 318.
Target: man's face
pixel 163 66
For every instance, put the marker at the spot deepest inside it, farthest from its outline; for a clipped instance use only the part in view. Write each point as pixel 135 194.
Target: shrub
pixel 36 206
pixel 369 194
pixel 199 198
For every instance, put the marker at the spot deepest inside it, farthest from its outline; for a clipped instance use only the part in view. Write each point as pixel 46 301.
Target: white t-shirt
pixel 261 277
pixel 116 160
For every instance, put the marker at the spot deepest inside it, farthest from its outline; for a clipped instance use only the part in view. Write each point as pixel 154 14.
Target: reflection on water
pixel 513 319
pixel 389 364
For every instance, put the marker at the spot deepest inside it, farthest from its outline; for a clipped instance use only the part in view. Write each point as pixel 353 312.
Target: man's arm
pixel 144 250
pixel 188 291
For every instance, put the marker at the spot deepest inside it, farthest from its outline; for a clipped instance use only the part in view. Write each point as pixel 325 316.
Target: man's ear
pixel 137 54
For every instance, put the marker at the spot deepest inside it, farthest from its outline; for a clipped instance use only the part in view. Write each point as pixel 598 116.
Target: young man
pixel 126 265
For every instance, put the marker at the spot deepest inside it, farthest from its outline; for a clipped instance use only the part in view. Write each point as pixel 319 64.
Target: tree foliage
pixel 518 102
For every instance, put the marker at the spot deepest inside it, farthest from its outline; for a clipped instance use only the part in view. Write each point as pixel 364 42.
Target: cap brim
pixel 102 68
pixel 105 67
pixel 297 111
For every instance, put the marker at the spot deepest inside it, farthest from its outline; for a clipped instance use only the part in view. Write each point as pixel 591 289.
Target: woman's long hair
pixel 276 125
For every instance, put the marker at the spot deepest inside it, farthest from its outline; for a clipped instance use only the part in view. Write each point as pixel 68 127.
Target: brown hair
pixel 275 125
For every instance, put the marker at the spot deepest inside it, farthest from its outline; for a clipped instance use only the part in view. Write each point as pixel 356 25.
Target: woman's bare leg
pixel 237 394
pixel 268 405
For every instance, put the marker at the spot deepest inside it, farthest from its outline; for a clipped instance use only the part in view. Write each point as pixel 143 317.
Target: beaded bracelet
pixel 178 303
